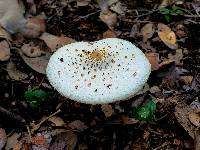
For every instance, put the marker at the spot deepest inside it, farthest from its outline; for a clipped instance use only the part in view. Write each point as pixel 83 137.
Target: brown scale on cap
pixel 95 55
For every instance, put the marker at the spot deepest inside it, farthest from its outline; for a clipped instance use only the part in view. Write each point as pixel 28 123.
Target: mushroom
pixel 98 72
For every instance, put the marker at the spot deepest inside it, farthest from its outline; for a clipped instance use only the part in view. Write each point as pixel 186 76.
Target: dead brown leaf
pixel 154 60
pixel 41 140
pixel 181 112
pixel 109 18
pixel 34 27
pixel 109 34
pixel 77 124
pixel 57 121
pixel 4 51
pixel 127 120
pixel 116 6
pixel 14 73
pixel 167 36
pixel 194 118
pixel 107 110
pixel 55 42
pixel 197 139
pixel 4 34
pixel 83 2
pixel 11 15
pixel 147 31
pixel 3 138
pixel 177 58
pixel 31 51
pixel 12 141
pixel 64 140
pixel 38 64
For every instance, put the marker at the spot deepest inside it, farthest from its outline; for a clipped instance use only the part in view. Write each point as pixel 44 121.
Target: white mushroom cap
pixel 98 72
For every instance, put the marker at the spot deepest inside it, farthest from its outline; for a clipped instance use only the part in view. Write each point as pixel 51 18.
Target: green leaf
pixel 35 97
pixel 164 11
pixel 167 18
pixel 177 10
pixel 144 113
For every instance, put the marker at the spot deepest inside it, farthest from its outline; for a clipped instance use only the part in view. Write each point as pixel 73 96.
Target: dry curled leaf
pixel 109 18
pixel 14 73
pixel 154 60
pixel 34 27
pixel 147 31
pixel 181 112
pixel 116 6
pixel 167 36
pixel 55 42
pixel 77 124
pixel 194 118
pixel 31 51
pixel 4 34
pixel 12 141
pixel 107 110
pixel 109 34
pixel 83 2
pixel 11 15
pixel 41 140
pixel 38 64
pixel 4 51
pixel 177 58
pixel 3 138
pixel 64 140
pixel 57 121
pixel 197 139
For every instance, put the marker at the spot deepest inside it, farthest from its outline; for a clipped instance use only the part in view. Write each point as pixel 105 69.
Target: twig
pixel 37 126
pixel 12 115
pixel 161 146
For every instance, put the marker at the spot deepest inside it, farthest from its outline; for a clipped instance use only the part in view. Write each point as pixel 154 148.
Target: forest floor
pixel 35 116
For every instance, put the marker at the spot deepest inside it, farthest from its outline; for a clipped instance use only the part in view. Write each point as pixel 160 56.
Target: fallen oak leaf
pixel 147 31
pixel 83 2
pixel 3 138
pixel 57 121
pixel 14 73
pixel 64 140
pixel 167 36
pixel 55 42
pixel 169 39
pixel 107 110
pixel 31 51
pixel 154 60
pixel 77 124
pixel 12 141
pixel 194 118
pixel 38 64
pixel 4 34
pixel 4 51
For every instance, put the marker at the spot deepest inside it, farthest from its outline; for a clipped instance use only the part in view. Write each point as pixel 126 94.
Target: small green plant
pixel 169 12
pixel 35 97
pixel 144 113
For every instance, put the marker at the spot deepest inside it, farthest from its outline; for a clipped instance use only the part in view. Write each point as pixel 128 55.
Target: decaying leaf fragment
pixel 55 42
pixel 147 31
pixel 83 2
pixel 31 51
pixel 3 138
pixel 64 140
pixel 14 73
pixel 167 36
pixel 37 63
pixel 4 51
pixel 194 118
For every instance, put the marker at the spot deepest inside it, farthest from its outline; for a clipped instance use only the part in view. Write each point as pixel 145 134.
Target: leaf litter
pixel 109 125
